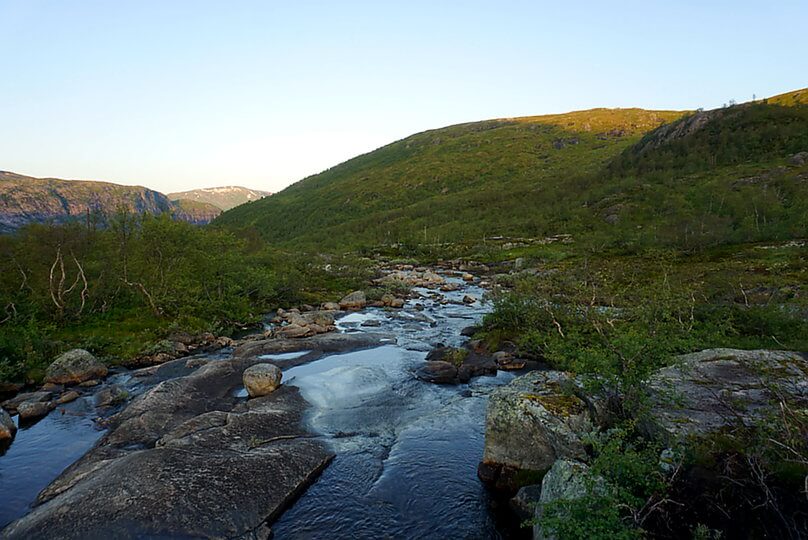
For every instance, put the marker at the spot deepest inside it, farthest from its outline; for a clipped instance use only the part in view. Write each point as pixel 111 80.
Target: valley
pixel 582 325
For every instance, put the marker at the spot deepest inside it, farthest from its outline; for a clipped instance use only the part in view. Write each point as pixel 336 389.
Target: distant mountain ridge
pixel 225 197
pixel 25 199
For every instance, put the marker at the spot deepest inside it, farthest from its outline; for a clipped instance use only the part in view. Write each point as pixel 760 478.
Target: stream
pixel 406 450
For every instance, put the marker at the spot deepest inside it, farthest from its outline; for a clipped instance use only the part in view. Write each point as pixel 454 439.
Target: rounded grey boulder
pixel 355 300
pixel 74 367
pixel 262 379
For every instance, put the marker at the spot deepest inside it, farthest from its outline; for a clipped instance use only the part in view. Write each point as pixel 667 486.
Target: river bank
pixel 191 440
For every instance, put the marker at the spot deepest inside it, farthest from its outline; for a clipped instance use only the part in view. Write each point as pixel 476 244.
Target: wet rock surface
pixel 438 372
pixel 11 405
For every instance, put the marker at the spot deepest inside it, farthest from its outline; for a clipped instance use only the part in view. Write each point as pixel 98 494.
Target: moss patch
pixel 562 405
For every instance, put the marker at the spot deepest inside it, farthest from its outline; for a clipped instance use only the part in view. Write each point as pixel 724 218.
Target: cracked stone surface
pixel 716 389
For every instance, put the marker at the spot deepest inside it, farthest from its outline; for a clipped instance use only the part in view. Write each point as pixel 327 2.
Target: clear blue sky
pixel 177 94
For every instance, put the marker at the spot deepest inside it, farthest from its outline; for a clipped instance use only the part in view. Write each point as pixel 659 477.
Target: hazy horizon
pixel 198 94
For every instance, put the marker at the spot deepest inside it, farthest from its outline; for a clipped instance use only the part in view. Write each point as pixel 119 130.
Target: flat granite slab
pixel 187 459
pixel 332 342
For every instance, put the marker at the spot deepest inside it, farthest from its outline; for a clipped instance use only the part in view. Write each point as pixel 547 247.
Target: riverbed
pixel 406 450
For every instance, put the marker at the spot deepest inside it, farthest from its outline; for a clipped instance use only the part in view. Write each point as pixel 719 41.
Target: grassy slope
pixel 707 178
pixel 459 182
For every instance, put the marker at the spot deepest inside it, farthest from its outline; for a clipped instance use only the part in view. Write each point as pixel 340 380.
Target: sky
pixel 182 94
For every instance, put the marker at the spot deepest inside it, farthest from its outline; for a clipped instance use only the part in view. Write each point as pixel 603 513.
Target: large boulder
pixel 31 410
pixel 531 422
pixel 262 379
pixel 706 392
pixel 355 300
pixel 7 427
pixel 74 367
pixel 438 372
pixel 565 481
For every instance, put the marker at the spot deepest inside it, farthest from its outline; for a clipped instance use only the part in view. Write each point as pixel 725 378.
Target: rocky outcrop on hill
pixel 677 130
pixel 26 200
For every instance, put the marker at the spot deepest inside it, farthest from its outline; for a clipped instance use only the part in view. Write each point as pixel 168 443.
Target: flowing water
pixel 406 450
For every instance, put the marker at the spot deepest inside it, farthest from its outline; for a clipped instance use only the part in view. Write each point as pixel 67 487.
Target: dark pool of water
pixel 40 452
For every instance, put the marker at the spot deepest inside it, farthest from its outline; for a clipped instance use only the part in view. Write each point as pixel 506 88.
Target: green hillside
pixel 595 172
